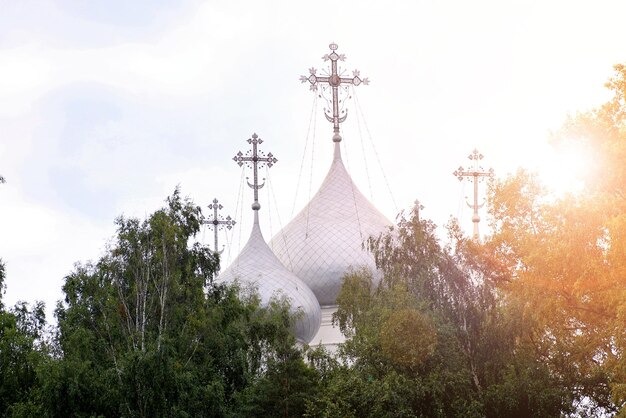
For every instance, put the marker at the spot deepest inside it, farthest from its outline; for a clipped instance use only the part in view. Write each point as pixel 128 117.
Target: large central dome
pixel 326 238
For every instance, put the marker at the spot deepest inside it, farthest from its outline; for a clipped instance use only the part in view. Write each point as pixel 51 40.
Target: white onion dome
pixel 326 238
pixel 257 267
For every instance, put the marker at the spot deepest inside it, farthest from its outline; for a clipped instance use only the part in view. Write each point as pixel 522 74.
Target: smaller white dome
pixel 258 267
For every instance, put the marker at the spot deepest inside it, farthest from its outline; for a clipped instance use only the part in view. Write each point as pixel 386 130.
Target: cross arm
pixel 460 173
pixel 356 79
pixel 483 173
pixel 314 79
pixel 270 160
pixel 228 222
pixel 239 158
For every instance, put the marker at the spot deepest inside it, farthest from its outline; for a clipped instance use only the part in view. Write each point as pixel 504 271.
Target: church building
pixel 307 259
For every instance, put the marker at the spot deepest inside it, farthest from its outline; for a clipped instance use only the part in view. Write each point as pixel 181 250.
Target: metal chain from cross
pixel 253 158
pixel 218 222
pixel 477 174
pixel 335 81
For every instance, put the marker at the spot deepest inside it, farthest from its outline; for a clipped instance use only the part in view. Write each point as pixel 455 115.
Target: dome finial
pixel 476 173
pixel 337 84
pixel 218 222
pixel 253 159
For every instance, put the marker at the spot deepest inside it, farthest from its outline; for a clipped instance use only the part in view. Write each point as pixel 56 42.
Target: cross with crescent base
pixel 476 174
pixel 254 159
pixel 334 80
pixel 218 222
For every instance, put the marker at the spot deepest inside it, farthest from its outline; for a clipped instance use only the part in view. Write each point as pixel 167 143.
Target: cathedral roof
pixel 257 267
pixel 326 238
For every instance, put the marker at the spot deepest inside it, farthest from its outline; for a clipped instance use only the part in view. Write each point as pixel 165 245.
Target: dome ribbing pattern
pixel 325 239
pixel 257 267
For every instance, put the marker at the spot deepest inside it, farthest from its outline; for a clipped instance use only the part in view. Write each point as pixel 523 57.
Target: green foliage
pixel 22 351
pixel 436 338
pixel 408 338
pixel 144 332
pixel 283 390
pixel 565 259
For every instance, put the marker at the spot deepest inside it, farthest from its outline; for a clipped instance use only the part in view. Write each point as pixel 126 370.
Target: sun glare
pixel 565 168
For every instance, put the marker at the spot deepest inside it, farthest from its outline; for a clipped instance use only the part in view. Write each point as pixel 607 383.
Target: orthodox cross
pixel 477 174
pixel 335 81
pixel 218 222
pixel 253 159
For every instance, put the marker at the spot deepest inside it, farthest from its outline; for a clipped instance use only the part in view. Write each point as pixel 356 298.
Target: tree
pixel 145 332
pixel 287 382
pixel 22 350
pixel 566 258
pixel 435 338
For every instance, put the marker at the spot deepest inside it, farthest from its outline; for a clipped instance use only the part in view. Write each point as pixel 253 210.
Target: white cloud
pixel 40 246
pixel 194 57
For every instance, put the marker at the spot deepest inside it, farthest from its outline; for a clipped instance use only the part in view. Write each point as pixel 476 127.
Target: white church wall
pixel 328 335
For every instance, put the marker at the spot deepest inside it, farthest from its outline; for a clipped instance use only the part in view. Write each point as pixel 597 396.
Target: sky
pixel 107 106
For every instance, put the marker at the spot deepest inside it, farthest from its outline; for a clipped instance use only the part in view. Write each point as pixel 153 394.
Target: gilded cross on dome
pixel 335 81
pixel 253 158
pixel 218 222
pixel 477 173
